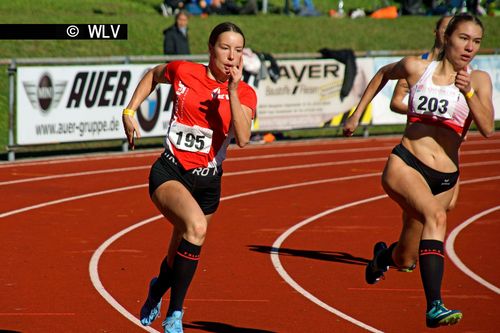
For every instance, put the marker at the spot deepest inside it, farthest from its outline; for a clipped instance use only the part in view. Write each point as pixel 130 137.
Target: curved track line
pixel 454 258
pixel 226 174
pixel 94 274
pixel 118 189
pixel 288 279
pixel 73 174
pixel 62 160
pixel 77 197
pixel 279 268
pixel 95 258
pixel 50 203
pixel 93 266
pixel 235 173
pixel 94 262
pixel 155 151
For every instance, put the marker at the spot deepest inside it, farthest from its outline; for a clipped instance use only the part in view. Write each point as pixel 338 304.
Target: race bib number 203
pixel 190 138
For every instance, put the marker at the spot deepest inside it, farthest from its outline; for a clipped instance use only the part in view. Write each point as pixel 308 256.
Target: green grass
pixel 272 33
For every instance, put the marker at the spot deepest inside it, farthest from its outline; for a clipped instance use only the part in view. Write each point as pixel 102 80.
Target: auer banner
pixel 84 103
pixel 307 94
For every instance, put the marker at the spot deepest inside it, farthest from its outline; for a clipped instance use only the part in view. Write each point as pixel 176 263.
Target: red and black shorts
pixel 204 184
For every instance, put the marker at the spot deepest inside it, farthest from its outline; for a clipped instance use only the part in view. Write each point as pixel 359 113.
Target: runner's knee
pixel 436 220
pixel 196 232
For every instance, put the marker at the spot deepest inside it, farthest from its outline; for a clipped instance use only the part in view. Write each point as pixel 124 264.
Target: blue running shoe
pixel 438 315
pixel 151 308
pixel 173 323
pixel 373 273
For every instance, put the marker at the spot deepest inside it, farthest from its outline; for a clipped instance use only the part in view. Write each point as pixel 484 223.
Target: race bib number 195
pixel 190 138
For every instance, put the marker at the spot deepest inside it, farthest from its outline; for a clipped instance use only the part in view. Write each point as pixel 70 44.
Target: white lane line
pixel 237 173
pixel 234 196
pixel 450 243
pixel 65 159
pixel 290 167
pixel 478 140
pixel 77 197
pixel 126 188
pixel 226 174
pixel 96 281
pixel 94 261
pixel 288 279
pixel 73 174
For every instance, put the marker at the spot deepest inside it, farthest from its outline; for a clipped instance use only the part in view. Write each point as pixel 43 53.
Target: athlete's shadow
pixel 335 256
pixel 209 326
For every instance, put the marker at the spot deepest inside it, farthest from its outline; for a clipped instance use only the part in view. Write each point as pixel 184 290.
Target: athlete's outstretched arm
pixel 147 84
pixel 144 88
pixel 396 70
pixel 241 114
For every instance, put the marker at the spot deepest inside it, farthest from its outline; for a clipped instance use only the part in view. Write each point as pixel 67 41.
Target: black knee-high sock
pixel 431 258
pixel 185 263
pixel 164 281
pixel 384 259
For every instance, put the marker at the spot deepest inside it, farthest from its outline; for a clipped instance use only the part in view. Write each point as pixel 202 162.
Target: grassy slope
pixel 272 33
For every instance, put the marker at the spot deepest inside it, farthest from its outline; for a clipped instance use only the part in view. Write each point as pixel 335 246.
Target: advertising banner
pixel 84 103
pixel 307 93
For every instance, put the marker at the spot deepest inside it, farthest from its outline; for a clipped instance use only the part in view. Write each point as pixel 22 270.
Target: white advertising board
pixel 84 103
pixel 307 93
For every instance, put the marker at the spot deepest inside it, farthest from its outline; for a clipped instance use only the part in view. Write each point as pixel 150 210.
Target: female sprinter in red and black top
pixel 422 172
pixel 212 105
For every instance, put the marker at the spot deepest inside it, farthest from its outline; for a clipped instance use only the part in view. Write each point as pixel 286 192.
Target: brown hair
pixel 455 21
pixel 221 28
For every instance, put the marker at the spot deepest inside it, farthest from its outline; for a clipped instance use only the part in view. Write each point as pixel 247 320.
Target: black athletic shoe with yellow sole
pixel 373 273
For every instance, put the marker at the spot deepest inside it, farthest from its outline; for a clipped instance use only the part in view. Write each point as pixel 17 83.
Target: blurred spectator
pixel 228 7
pixel 412 7
pixel 172 7
pixel 222 7
pixel 307 10
pixel 249 8
pixel 197 7
pixel 175 40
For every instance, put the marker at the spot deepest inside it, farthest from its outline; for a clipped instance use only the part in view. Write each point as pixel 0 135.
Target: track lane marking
pixel 93 265
pixel 298 166
pixel 288 279
pixel 450 242
pixel 237 173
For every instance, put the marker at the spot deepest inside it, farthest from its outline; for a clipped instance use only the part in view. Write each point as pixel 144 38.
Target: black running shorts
pixel 203 183
pixel 438 181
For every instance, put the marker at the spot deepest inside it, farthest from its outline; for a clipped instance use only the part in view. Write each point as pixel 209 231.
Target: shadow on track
pixel 335 256
pixel 209 326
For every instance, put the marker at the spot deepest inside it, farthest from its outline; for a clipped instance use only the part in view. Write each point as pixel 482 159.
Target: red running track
pixel 286 251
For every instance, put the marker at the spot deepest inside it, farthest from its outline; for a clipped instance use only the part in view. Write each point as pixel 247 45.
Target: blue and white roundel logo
pixel 149 111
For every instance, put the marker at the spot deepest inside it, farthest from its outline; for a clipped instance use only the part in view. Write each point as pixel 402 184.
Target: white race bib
pixel 190 138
